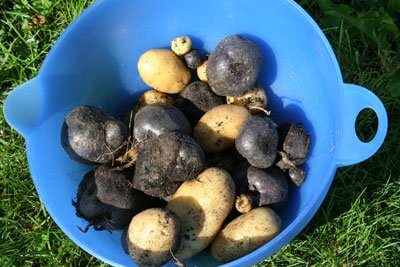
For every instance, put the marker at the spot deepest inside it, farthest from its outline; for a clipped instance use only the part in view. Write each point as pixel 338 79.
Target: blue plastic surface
pixel 94 62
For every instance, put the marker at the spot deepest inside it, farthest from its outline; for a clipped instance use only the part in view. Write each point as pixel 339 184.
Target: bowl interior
pixel 95 63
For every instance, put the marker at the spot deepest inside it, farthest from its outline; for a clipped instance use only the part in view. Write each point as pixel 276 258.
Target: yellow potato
pixel 181 45
pixel 219 127
pixel 162 70
pixel 154 97
pixel 245 234
pixel 202 204
pixel 201 72
pixel 152 235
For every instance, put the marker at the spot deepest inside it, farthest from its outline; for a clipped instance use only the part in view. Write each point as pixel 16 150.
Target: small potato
pixel 181 45
pixel 219 127
pixel 201 72
pixel 152 235
pixel 245 234
pixel 202 204
pixel 162 70
pixel 255 100
pixel 193 59
pixel 154 97
pixel 295 142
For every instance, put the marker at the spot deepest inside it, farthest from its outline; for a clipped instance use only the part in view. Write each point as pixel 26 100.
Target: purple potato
pixel 165 162
pixel 153 120
pixel 295 142
pixel 258 141
pixel 193 59
pixel 271 184
pixel 107 200
pixel 233 66
pixel 91 136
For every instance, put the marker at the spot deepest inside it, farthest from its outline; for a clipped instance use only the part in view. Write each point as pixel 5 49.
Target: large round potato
pixel 245 234
pixel 219 127
pixel 163 70
pixel 152 235
pixel 202 204
pixel 233 66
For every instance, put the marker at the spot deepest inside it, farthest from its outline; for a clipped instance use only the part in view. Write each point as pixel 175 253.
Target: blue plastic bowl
pixel 94 62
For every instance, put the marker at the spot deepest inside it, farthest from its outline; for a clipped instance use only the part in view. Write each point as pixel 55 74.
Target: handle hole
pixel 366 125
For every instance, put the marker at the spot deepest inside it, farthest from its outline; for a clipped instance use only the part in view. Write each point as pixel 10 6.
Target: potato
pixel 258 141
pixel 162 70
pixel 219 127
pixel 107 201
pixel 255 99
pixel 233 66
pixel 153 120
pixel 270 185
pixel 201 72
pixel 154 97
pixel 90 136
pixel 245 234
pixel 152 235
pixel 202 204
pixel 193 59
pixel 181 45
pixel 165 162
pixel 297 175
pixel 295 142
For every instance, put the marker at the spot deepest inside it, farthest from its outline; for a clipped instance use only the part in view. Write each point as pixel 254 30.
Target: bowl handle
pixel 351 149
pixel 22 106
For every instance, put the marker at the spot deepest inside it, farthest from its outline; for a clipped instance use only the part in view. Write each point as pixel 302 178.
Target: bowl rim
pixel 284 237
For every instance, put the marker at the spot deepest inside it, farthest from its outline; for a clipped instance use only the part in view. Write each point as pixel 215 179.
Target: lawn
pixel 359 221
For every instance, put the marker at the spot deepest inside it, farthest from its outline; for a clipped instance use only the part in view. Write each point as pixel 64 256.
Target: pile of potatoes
pixel 197 162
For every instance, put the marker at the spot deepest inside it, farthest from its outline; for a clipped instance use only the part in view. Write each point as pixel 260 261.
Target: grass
pixel 359 221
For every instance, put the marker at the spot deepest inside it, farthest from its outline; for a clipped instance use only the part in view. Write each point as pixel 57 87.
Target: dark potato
pixel 153 120
pixel 258 141
pixel 271 184
pixel 233 66
pixel 283 161
pixel 295 142
pixel 107 200
pixel 90 136
pixel 297 175
pixel 193 59
pixel 166 161
pixel 201 95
